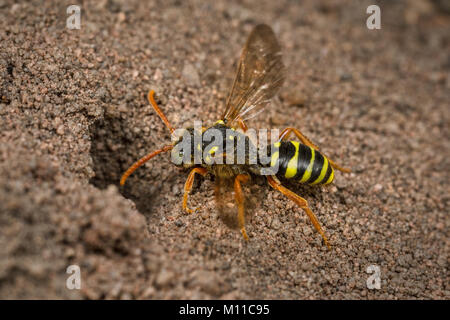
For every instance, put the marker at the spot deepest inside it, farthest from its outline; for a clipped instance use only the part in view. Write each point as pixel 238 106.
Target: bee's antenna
pixel 152 101
pixel 141 161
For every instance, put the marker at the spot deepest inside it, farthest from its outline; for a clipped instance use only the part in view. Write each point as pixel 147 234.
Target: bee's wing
pixel 259 76
pixel 226 203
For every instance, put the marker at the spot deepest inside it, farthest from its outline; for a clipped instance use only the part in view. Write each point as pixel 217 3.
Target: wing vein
pixel 259 76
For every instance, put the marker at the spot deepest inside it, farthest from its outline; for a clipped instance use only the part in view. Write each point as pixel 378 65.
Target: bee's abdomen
pixel 300 162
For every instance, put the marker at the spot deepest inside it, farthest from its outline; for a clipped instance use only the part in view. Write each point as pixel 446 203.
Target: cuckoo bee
pixel 259 76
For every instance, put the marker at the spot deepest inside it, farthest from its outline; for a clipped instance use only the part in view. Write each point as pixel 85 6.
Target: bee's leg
pixel 239 196
pixel 242 125
pixel 302 203
pixel 287 132
pixel 188 185
pixel 152 101
pixel 141 161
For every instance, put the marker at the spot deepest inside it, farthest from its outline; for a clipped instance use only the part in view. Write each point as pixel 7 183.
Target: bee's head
pixel 182 153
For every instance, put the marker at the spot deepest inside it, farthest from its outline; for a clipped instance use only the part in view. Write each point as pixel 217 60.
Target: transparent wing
pixel 226 206
pixel 225 202
pixel 259 76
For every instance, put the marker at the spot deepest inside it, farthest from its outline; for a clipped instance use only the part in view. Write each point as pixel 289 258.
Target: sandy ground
pixel 73 117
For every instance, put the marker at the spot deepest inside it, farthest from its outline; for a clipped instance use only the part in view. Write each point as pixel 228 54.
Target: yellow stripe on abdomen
pixel 274 159
pixel 331 178
pixel 291 169
pixel 308 171
pixel 323 172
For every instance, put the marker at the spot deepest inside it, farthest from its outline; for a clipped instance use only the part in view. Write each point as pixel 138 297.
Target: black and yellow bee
pixel 259 76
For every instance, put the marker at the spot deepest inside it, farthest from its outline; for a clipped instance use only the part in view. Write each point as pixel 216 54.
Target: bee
pixel 259 76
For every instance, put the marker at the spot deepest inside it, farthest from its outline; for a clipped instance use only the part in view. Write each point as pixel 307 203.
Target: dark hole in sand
pixel 112 143
pixel 6 82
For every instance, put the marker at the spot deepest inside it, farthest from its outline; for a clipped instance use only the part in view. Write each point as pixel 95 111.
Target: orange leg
pixel 302 203
pixel 287 132
pixel 144 159
pixel 242 125
pixel 141 161
pixel 239 196
pixel 188 186
pixel 152 101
